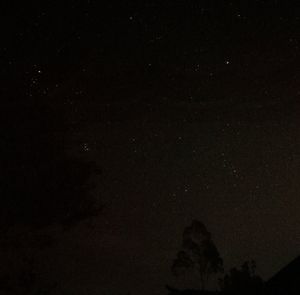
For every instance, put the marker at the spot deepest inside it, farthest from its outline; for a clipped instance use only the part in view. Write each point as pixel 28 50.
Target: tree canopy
pixel 198 253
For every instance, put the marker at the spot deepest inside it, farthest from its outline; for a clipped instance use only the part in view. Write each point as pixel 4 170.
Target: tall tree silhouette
pixel 198 253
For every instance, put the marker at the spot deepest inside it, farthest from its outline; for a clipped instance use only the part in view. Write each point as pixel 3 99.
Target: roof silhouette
pixel 287 280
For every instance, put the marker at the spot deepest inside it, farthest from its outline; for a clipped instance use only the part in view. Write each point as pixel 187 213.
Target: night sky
pixel 191 111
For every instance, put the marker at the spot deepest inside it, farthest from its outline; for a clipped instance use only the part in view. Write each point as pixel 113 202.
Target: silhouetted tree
pixel 243 280
pixel 41 185
pixel 198 253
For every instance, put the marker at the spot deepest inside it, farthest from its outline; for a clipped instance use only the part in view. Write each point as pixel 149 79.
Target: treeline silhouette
pixel 199 254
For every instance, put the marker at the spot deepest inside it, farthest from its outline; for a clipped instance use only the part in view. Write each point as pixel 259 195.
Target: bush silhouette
pixel 243 280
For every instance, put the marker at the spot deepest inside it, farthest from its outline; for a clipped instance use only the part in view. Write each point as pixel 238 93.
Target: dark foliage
pixel 243 280
pixel 40 183
pixel 174 291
